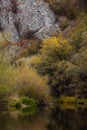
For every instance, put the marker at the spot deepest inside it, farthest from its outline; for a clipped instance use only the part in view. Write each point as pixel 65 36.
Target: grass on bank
pixel 71 100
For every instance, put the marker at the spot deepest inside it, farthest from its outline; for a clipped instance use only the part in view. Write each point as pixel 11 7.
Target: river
pixel 53 119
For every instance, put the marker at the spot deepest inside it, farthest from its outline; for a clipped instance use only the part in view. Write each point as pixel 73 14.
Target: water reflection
pixel 56 119
pixel 68 120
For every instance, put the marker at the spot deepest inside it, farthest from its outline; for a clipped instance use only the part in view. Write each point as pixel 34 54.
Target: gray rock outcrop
pixel 21 18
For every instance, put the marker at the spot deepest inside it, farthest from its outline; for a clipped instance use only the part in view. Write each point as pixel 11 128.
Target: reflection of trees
pixel 56 120
pixel 67 120
pixel 16 121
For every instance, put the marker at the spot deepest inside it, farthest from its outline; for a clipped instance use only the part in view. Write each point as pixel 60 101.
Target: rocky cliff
pixel 23 18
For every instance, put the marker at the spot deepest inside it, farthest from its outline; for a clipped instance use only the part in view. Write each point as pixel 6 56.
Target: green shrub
pixel 13 103
pixel 23 102
pixel 29 102
pixel 17 105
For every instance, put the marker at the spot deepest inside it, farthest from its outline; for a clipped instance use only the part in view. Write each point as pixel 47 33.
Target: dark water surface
pixel 56 119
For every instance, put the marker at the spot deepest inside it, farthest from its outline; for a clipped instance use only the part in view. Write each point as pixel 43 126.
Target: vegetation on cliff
pixel 53 68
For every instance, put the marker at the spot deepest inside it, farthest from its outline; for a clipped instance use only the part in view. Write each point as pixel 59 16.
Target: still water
pixel 55 119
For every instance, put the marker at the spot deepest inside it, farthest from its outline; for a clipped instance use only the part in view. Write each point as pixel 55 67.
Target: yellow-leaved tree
pixel 53 50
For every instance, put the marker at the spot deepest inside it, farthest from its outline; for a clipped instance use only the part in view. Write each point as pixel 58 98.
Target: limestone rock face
pixel 20 18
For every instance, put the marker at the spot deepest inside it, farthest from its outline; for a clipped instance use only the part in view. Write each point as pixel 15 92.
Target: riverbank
pixel 66 102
